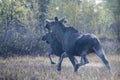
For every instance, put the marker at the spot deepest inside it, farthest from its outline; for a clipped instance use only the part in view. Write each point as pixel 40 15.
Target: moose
pixel 56 46
pixel 74 43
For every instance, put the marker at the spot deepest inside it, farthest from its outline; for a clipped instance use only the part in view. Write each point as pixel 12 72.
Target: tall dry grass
pixel 39 68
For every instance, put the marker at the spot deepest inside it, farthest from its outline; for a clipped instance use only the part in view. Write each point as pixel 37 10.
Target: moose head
pixel 56 21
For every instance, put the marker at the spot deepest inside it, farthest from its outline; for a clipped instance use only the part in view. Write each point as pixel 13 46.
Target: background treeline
pixel 22 21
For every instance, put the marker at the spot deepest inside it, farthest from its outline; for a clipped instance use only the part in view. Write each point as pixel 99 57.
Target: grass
pixel 39 68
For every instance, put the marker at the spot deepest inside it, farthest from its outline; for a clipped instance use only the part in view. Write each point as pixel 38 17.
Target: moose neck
pixel 59 32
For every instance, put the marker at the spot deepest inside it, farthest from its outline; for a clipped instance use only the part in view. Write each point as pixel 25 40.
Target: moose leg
pixel 101 54
pixel 84 59
pixel 50 58
pixel 60 61
pixel 74 62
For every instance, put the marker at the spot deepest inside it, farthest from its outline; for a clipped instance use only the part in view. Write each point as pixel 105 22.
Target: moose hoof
pixel 76 67
pixel 59 69
pixel 52 62
pixel 108 67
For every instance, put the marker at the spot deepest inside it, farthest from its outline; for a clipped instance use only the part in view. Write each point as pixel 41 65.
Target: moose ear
pixel 63 20
pixel 56 18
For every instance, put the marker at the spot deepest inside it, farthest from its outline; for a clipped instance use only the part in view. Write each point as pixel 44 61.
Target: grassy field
pixel 39 68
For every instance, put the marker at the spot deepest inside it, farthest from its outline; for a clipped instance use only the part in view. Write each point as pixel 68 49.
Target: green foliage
pixel 114 6
pixel 22 21
pixel 86 16
pixel 19 27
